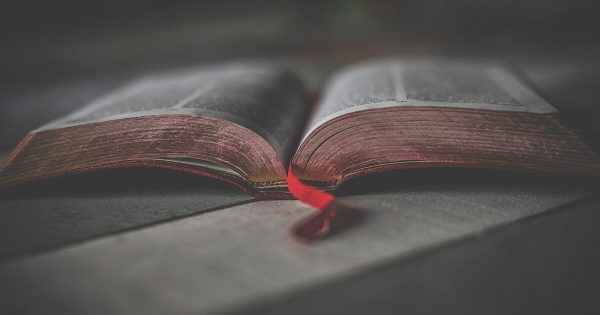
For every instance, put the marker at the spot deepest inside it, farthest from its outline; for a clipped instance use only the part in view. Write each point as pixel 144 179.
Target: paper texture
pixel 262 97
pixel 425 82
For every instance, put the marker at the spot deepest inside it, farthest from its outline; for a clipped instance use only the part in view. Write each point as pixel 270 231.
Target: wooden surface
pixel 545 265
pixel 49 215
pixel 229 259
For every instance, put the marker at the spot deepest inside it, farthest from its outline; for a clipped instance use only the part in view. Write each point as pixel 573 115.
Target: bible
pixel 245 123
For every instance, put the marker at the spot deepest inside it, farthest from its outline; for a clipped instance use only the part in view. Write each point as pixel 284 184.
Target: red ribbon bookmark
pixel 317 225
pixel 309 195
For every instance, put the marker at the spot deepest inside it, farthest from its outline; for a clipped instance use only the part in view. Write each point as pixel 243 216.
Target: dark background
pixel 57 55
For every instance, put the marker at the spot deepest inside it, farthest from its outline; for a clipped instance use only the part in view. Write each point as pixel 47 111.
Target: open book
pixel 245 123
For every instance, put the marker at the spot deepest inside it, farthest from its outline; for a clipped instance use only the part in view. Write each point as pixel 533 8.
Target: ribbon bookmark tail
pixel 317 225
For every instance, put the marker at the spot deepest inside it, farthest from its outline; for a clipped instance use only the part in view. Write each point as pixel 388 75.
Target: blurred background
pixel 57 55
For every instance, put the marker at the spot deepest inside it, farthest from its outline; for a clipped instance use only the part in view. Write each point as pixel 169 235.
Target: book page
pixel 425 82
pixel 262 97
